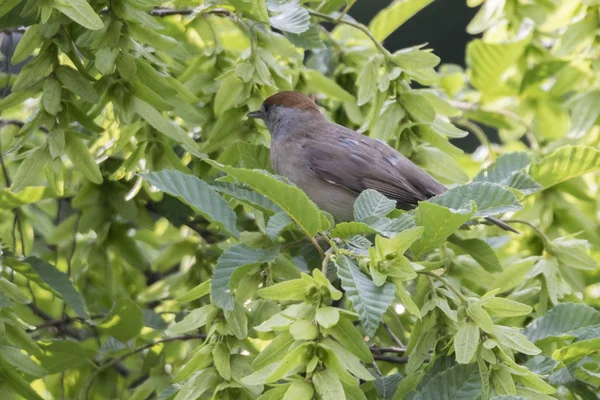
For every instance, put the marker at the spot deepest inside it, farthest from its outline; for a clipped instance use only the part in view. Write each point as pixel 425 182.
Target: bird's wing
pixel 357 162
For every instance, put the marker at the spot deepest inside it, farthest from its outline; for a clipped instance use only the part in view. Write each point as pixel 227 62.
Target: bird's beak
pixel 255 114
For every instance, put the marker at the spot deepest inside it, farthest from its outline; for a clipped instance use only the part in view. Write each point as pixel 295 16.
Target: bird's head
pixel 287 112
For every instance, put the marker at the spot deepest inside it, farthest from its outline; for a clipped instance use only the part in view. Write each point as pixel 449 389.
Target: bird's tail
pixel 502 225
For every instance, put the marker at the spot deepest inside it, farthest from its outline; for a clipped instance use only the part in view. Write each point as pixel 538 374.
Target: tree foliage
pixel 148 250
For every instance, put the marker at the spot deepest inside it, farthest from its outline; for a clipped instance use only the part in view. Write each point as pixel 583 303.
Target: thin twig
pixel 356 25
pixel 393 336
pixel 446 283
pixel 478 132
pixel 379 350
pixel 537 230
pixel 391 359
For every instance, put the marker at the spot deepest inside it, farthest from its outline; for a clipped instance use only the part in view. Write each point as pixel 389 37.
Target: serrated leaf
pixel 564 319
pixel 289 16
pixel 83 160
pixel 439 223
pixel 369 301
pixel 277 223
pixel 197 194
pixel 309 40
pixel 386 385
pixel 460 382
pixel 247 196
pixel 504 167
pixel 371 203
pixel 237 256
pixel 291 199
pixel 565 163
pixel 81 12
pixel 491 199
pixel 393 16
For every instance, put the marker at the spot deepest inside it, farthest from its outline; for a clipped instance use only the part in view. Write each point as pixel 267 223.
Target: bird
pixel 333 164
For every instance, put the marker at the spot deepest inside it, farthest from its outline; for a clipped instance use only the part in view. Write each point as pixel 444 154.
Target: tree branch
pixel 391 359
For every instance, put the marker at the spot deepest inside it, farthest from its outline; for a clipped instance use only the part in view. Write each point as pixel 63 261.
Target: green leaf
pixel 288 16
pixel 31 40
pixel 565 163
pixel 247 196
pixel 480 317
pixel 277 223
pixel 201 359
pixel 197 194
pixel 288 290
pixel 237 256
pixel 200 383
pixel 371 203
pixel 30 169
pixel 511 337
pixel 466 342
pixel 55 279
pixel 346 230
pixel 460 382
pixel 81 12
pixel 327 316
pixel 221 360
pixel 22 362
pixel 573 253
pixel 196 319
pixel 322 84
pixel 369 301
pixel 507 171
pixel 275 351
pixel 83 160
pixel 328 386
pixel 199 291
pixel 440 164
pixel 418 106
pixel 237 321
pixel 299 390
pixel 577 350
pixel 227 95
pixel 76 83
pixel 501 307
pixel 585 112
pixel 386 385
pixel 393 16
pixel 52 96
pixel 488 61
pixel 349 337
pixel 124 321
pixel 439 223
pixel 309 40
pixel 481 252
pixel 106 58
pixel 12 380
pixel 291 199
pixel 491 199
pixel 367 80
pixel 563 320
pixel 165 126
pixel 303 330
pixel 29 195
pixel 7 5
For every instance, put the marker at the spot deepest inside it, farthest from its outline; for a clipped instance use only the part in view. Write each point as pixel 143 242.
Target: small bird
pixel 333 164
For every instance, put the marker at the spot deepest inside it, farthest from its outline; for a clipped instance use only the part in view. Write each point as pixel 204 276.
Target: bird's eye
pixel 267 108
